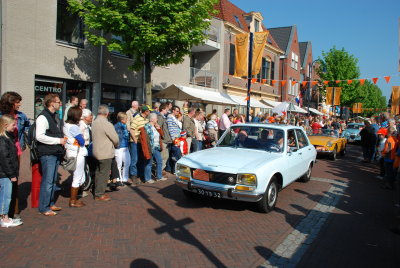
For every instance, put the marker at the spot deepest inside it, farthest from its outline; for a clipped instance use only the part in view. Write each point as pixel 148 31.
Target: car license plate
pixel 208 193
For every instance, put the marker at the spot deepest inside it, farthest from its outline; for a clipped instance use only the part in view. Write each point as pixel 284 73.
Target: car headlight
pixel 329 144
pixel 183 171
pixel 247 179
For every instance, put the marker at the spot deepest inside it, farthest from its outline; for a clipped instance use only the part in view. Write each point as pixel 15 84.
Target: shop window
pixel 118 99
pixel 69 26
pixel 232 58
pixel 42 88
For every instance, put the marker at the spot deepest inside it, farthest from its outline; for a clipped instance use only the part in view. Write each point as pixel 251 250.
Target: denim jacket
pixel 23 125
pixel 123 135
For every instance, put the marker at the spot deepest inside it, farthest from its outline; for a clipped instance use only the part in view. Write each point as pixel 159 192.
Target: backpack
pixel 31 143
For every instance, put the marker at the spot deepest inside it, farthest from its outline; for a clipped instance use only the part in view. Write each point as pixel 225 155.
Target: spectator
pixel 185 108
pixel 105 140
pixel 83 104
pixel 75 146
pixel 131 113
pixel 199 132
pixel 174 130
pixel 10 104
pixel 84 125
pixel 389 154
pixel 122 155
pixel 50 142
pixel 257 117
pixel 368 142
pixel 224 123
pixel 315 126
pixel 151 144
pixel 73 101
pixel 166 138
pixel 182 144
pixel 189 126
pixel 212 128
pixel 156 108
pixel 138 122
pixel 9 169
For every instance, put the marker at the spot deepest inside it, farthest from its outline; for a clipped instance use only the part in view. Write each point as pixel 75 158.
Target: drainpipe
pixel 1 42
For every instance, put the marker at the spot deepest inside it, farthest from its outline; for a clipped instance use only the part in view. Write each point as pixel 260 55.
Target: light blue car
pixel 352 132
pixel 251 162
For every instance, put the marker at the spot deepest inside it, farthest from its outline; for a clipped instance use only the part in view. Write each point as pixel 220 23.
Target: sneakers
pixel 10 223
pixel 150 181
pixel 379 177
pixel 162 179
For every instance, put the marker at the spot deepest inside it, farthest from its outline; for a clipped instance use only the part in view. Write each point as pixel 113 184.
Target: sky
pixel 367 29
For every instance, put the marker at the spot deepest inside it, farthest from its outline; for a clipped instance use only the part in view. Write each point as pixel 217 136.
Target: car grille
pixel 218 177
pixel 352 135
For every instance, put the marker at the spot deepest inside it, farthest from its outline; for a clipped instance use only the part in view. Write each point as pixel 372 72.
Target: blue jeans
pixel 199 145
pixel 134 159
pixel 5 195
pixel 149 163
pixel 49 165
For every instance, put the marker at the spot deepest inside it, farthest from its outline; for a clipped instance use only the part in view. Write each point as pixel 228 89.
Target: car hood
pixel 321 140
pixel 352 131
pixel 229 160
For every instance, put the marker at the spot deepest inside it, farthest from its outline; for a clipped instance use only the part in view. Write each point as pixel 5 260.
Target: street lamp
pixel 309 85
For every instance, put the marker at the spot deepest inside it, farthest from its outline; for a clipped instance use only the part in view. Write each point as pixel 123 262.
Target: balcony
pixel 203 78
pixel 212 42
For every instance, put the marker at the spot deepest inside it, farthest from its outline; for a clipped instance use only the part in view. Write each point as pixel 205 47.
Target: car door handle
pixel 300 153
pixel 309 149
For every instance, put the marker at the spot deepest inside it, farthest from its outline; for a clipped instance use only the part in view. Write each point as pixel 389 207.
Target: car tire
pixel 189 194
pixel 306 177
pixel 343 152
pixel 334 154
pixel 270 197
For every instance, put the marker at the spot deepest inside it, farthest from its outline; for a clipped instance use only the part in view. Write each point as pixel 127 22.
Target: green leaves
pixel 165 29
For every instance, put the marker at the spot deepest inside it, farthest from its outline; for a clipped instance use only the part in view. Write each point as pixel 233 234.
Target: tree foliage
pixel 371 98
pixel 163 29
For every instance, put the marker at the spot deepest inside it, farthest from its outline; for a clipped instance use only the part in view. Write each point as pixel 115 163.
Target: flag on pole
pixel 259 41
pixel 338 91
pixel 242 54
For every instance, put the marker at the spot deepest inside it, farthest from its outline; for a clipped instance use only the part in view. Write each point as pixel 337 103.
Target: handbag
pixel 69 163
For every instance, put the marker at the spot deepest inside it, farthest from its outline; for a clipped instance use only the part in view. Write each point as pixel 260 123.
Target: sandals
pixel 49 213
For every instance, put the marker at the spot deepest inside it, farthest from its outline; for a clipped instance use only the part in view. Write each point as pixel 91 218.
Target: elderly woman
pixel 151 141
pixel 212 128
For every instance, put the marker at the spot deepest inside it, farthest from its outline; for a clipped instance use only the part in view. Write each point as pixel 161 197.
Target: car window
pixel 302 139
pixel 291 140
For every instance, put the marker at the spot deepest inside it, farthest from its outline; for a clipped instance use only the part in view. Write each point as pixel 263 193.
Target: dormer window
pixel 238 21
pixel 256 25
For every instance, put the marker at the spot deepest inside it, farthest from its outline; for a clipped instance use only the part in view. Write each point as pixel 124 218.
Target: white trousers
pixel 123 159
pixel 79 174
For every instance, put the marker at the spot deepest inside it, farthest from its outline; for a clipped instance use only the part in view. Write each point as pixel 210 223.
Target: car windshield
pixel 355 126
pixel 258 138
pixel 327 133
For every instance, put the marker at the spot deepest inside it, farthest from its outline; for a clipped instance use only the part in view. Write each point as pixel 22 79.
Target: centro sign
pixel 48 89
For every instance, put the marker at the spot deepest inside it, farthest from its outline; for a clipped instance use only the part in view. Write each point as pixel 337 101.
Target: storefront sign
pixel 48 89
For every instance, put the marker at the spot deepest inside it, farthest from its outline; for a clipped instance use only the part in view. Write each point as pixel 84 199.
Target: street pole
pixel 249 76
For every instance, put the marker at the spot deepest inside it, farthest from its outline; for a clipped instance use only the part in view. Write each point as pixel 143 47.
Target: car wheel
pixel 268 201
pixel 189 194
pixel 306 177
pixel 334 154
pixel 343 152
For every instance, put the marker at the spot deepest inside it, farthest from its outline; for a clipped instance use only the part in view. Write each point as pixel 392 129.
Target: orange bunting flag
pixel 349 82
pixel 294 83
pixel 387 78
pixel 273 82
pixel 362 81
pixel 313 83
pixel 253 80
pixel 304 83
pixel 264 81
pixel 246 99
pixel 326 82
pixel 283 82
pixel 375 79
pixel 337 81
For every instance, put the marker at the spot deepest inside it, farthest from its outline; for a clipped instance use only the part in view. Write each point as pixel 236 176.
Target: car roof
pixel 355 124
pixel 283 127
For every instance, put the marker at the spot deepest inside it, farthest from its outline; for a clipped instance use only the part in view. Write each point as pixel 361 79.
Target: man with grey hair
pixel 83 103
pixel 105 140
pixel 132 112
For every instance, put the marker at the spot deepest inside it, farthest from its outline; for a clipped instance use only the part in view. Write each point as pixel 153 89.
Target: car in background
pixel 328 142
pixel 352 132
pixel 250 162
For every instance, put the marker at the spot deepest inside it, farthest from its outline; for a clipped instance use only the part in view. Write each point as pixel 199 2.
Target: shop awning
pixel 297 109
pixel 184 93
pixel 315 111
pixel 253 102
pixel 271 103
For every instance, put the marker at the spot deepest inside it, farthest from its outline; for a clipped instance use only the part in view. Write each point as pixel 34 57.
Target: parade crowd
pixel 141 146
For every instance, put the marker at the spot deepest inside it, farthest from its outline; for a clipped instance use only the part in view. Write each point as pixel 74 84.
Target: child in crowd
pixel 9 168
pixel 380 146
pixel 122 155
pixel 182 144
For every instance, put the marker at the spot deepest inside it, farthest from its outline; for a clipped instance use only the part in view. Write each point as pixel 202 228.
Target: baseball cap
pixel 146 108
pixel 382 131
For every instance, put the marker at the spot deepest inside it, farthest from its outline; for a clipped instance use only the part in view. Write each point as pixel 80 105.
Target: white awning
pixel 315 111
pixel 184 93
pixel 253 102
pixel 297 109
pixel 271 103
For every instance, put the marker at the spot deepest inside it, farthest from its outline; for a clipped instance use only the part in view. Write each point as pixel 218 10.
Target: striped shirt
pixel 173 127
pixel 136 124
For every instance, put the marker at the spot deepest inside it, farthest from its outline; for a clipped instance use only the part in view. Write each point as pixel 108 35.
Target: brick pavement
pixel 155 226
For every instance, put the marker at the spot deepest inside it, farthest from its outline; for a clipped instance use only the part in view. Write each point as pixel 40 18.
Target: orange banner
pixel 359 109
pixel 242 54
pixel 329 93
pixel 338 92
pixel 395 100
pixel 259 41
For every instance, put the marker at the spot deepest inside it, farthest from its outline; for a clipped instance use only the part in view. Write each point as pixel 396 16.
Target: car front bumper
pixel 226 193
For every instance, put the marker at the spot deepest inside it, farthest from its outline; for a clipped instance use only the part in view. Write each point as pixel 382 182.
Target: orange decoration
pixel 375 79
pixel 337 81
pixel 283 83
pixel 246 99
pixel 313 83
pixel 304 83
pixel 264 81
pixel 387 78
pixel 253 80
pixel 273 82
pixel 349 82
pixel 294 83
pixel 362 81
pixel 326 82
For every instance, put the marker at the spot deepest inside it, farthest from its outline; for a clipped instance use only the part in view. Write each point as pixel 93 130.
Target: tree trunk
pixel 147 77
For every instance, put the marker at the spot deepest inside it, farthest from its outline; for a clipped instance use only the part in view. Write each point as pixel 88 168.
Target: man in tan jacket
pixel 105 140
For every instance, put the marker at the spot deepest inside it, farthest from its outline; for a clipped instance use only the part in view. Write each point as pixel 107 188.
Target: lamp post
pixel 309 85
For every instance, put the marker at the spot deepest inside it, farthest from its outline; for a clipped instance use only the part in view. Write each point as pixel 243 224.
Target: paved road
pixel 338 219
